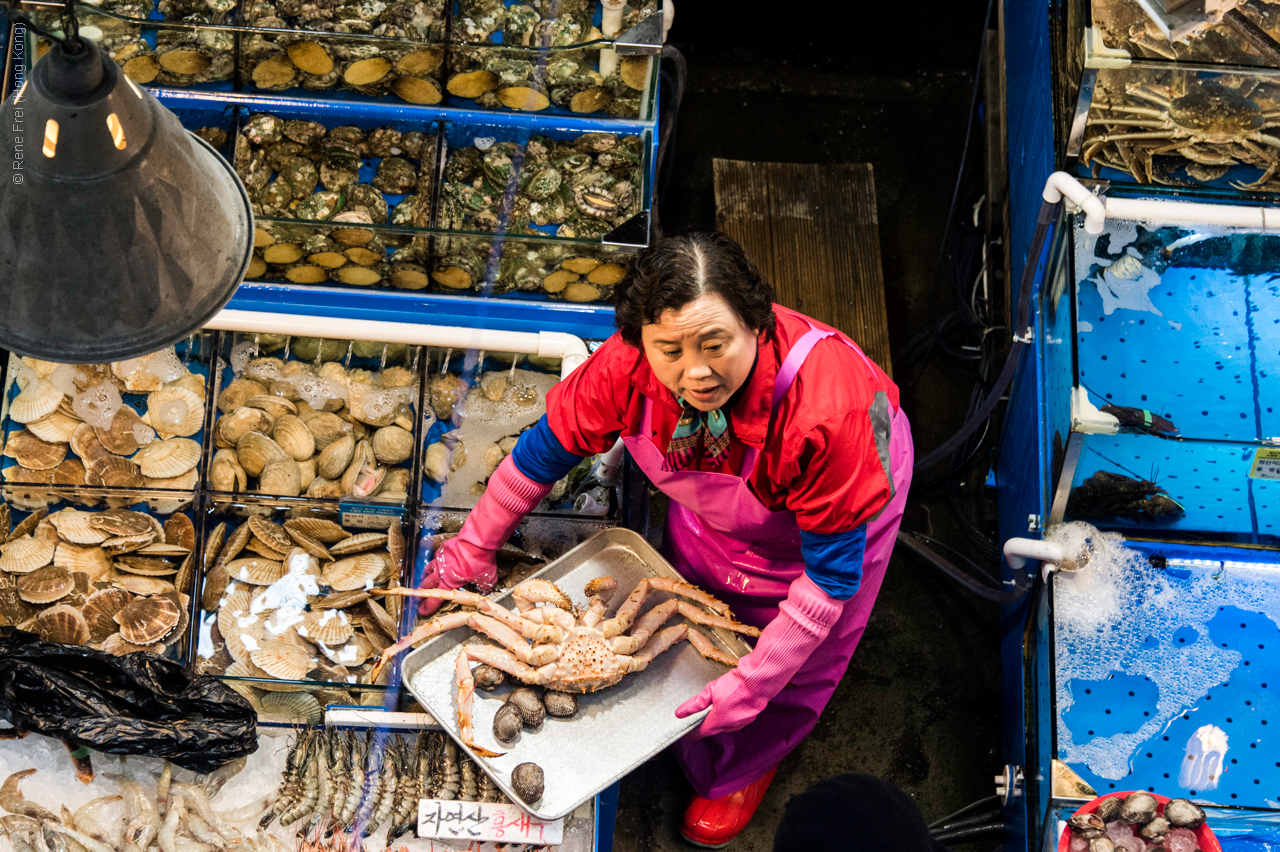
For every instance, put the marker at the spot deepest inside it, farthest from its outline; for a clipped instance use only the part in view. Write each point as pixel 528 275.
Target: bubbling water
pixel 97 405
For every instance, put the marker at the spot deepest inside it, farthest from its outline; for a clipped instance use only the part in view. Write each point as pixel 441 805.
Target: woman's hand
pixel 804 619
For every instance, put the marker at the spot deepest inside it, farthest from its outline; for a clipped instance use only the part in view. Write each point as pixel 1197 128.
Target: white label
pixel 479 821
pixel 1266 464
pixel 368 516
pixel 348 716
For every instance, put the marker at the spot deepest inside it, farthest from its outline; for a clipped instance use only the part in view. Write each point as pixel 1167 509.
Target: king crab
pixel 552 643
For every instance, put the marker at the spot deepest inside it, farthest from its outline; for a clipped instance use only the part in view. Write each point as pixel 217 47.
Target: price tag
pixel 369 516
pixel 1266 463
pixel 480 821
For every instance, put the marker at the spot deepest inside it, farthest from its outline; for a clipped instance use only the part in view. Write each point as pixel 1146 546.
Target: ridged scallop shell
pixel 321 530
pixel 180 531
pixel 38 399
pixel 69 472
pixel 193 382
pixel 236 540
pixel 45 585
pixel 175 412
pixel 382 617
pixel 355 572
pixel 114 472
pixel 28 525
pixel 83 559
pixel 350 654
pixel 75 526
pixel 359 543
pixel 183 603
pixel 166 459
pixel 336 457
pixel 100 610
pixel 255 570
pixel 124 522
pixel 117 645
pixel 280 477
pixel 62 624
pixel 147 620
pixel 135 375
pixel 163 549
pixel 119 544
pixel 85 444
pixel 254 450
pixel 127 432
pixel 56 427
pixel 294 438
pixel 270 534
pixel 327 627
pixel 146 566
pixel 233 607
pixel 24 555
pixel 246 668
pixel 392 445
pixel 298 706
pixel 185 481
pixel 283 660
pixel 31 452
pixel 309 544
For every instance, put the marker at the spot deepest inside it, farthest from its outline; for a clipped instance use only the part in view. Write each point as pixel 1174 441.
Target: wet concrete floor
pixel 919 705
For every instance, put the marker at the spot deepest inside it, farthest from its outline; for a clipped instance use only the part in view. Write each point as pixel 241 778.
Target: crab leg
pixel 500 658
pixel 533 592
pixel 708 649
pixel 461 596
pixel 528 628
pixel 508 638
pixel 697 616
pixel 645 627
pixel 600 590
pixel 661 641
pixel 466 691
pixel 434 627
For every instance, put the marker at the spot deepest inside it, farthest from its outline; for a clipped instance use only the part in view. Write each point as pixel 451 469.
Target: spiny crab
pixel 551 642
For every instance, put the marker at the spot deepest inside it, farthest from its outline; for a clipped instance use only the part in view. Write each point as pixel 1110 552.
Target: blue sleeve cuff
pixel 834 562
pixel 540 456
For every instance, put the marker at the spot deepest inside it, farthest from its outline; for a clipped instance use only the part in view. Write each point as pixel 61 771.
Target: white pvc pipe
pixel 1062 184
pixel 1018 550
pixel 545 344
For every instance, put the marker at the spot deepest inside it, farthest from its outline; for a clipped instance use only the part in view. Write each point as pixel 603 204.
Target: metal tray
pixel 615 729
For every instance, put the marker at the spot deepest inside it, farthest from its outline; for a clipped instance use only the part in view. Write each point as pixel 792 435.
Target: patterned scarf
pixel 710 428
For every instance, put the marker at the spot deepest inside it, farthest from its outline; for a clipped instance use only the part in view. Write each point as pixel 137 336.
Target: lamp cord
pixel 70 22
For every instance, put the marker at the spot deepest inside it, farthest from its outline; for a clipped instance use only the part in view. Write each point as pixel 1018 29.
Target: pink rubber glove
pixel 469 557
pixel 804 619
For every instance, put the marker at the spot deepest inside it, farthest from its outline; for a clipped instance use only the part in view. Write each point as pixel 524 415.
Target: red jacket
pixel 820 459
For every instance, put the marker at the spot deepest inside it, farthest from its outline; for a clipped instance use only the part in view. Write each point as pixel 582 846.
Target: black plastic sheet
pixel 135 704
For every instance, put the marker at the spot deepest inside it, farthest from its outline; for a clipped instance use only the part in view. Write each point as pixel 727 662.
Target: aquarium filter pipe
pixel 1262 220
pixel 1018 550
pixel 545 344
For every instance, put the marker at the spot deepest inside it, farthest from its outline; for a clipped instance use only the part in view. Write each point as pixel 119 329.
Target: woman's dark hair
pixel 676 270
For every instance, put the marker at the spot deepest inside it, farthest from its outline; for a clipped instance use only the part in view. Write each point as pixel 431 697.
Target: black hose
pixel 981 819
pixel 982 590
pixel 970 808
pixel 972 833
pixel 668 124
pixel 1048 212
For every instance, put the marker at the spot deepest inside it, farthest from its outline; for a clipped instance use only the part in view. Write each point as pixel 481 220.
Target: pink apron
pixel 720 536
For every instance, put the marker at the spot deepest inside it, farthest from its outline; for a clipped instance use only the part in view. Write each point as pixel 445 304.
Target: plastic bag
pixel 1267 842
pixel 136 704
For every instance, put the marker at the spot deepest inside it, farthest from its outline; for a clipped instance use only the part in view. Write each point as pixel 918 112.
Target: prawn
pixel 11 799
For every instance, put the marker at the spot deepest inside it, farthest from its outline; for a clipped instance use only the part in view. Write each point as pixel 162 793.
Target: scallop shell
pixel 31 452
pixel 283 660
pixel 270 534
pixel 359 543
pixel 237 393
pixel 147 620
pixel 246 668
pixel 142 585
pixel 175 412
pixel 38 399
pixel 247 692
pixel 88 559
pixel 56 427
pixel 396 545
pixel 326 627
pixel 183 603
pixel 384 619
pixel 127 433
pixel 321 530
pixel 193 382
pixel 180 531
pixel 28 525
pixel 294 437
pixel 135 375
pixel 336 457
pixel 146 566
pixel 100 610
pixel 62 624
pixel 165 459
pixel 349 654
pixel 123 522
pixel 127 543
pixel 261 549
pixel 75 526
pixel 114 472
pixel 254 450
pixel 392 445
pixel 26 476
pixel 185 481
pixel 298 706
pixel 257 571
pixel 45 585
pixel 119 646
pixel 236 540
pixel 85 444
pixel 355 572
pixel 164 550
pixel 281 477
pixel 310 545
pixel 24 555
pixel 213 543
pixel 373 632
pixel 69 472
pixel 276 406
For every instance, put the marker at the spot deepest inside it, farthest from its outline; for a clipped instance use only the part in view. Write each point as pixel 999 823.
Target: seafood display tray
pixel 615 729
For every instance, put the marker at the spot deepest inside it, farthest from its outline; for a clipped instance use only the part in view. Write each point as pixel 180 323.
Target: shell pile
pixel 113 580
pixel 132 424
pixel 571 79
pixel 1137 823
pixel 304 170
pixel 290 601
pixel 582 188
pixel 287 427
pixel 318 58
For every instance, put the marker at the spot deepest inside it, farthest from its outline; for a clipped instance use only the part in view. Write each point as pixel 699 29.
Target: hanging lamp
pixel 120 231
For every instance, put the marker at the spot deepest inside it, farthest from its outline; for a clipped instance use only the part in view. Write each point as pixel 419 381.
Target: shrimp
pixel 387 799
pixel 142 819
pixel 310 794
pixel 193 797
pixel 11 799
pixel 89 843
pixel 86 820
pixel 162 788
pixel 186 844
pixel 202 831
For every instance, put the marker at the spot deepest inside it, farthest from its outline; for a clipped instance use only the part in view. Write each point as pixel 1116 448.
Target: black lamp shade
pixel 120 232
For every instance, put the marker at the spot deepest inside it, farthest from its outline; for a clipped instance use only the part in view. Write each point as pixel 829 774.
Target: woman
pixel 787 463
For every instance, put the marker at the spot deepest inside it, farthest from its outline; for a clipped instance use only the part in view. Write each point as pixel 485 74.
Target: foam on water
pixel 240 355
pixel 1120 615
pixel 165 365
pixel 97 405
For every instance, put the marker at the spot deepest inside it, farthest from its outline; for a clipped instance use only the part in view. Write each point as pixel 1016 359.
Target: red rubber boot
pixel 714 823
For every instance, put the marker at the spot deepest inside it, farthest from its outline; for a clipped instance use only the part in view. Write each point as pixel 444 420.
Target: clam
pixel 234 426
pixel 31 452
pixel 45 585
pixel 100 610
pixel 306 473
pixel 436 465
pixel 62 624
pixel 527 782
pixel 293 705
pixel 326 427
pixel 507 724
pixel 283 660
pixel 254 450
pixel 1087 825
pixel 1138 808
pixel 324 489
pixel 1182 813
pixel 530 706
pixel 562 704
pixel 392 444
pixel 281 477
pixel 166 459
pixel 276 406
pixel 487 677
pixel 294 438
pixel 127 432
pixel 359 543
pixel 225 472
pixel 38 399
pixel 237 393
pixel 328 627
pixel 75 526
pixel 1155 829
pixel 26 554
pixel 255 570
pixel 147 620
pixel 354 572
pixel 175 412
pixel 336 457
pixel 1101 844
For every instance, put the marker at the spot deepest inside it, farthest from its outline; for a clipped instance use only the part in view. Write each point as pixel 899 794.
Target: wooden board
pixel 812 231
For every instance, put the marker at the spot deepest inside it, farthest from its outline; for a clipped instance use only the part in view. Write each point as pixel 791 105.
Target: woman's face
pixel 702 352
